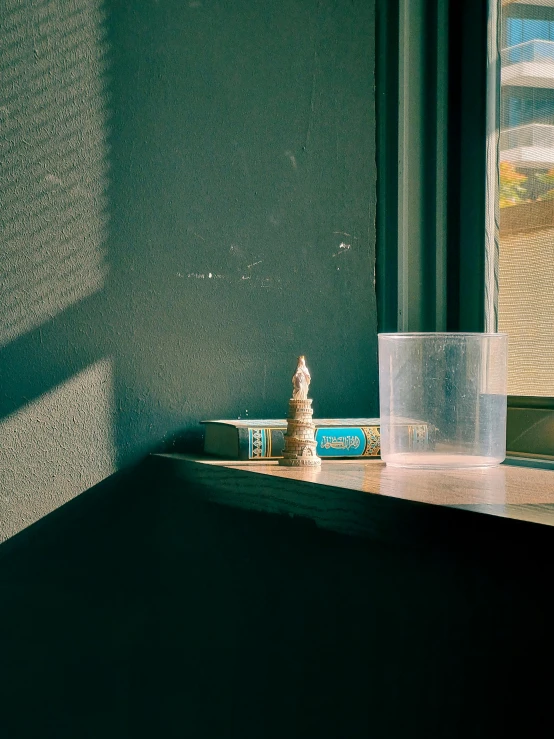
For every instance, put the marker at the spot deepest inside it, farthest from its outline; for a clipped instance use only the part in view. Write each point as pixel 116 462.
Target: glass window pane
pixel 526 195
pixel 514 31
pixel 535 29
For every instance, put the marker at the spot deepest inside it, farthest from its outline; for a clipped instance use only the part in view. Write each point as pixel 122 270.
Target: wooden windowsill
pixel 367 498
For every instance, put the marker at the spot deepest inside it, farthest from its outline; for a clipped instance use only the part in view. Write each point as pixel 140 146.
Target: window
pixel 525 194
pixel 465 227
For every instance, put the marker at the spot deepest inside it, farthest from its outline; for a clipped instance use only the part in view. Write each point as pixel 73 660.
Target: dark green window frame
pixel 437 76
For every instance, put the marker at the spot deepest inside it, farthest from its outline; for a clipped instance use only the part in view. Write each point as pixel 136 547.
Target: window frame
pixel 431 129
pixel 437 102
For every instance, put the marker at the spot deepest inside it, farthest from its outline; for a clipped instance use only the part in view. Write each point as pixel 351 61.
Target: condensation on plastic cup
pixel 443 399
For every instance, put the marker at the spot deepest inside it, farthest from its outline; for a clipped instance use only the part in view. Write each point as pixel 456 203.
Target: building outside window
pixel 526 244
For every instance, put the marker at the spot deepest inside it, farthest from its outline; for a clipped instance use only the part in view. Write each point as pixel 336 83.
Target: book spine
pixel 262 443
pixel 350 441
pixel 364 441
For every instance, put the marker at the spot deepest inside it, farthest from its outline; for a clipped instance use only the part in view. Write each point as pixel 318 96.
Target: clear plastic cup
pixel 443 399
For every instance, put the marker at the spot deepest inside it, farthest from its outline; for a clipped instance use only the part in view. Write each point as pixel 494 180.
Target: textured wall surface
pixel 188 198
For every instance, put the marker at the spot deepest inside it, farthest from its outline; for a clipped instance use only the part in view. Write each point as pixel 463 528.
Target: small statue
pixel 300 444
pixel 301 380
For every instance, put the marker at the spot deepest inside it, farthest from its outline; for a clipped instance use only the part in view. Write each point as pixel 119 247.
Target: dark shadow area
pixel 77 594
pixel 40 362
pixel 146 612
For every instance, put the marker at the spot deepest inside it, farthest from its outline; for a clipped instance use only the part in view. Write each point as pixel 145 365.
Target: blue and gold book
pixel 264 438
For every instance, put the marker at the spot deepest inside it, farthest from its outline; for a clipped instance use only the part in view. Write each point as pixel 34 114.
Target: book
pixel 336 437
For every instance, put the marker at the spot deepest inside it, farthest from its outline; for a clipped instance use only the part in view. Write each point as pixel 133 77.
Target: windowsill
pixel 535 461
pixel 367 498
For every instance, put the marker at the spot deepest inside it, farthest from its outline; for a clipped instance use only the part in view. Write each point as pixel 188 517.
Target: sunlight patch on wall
pixel 56 447
pixel 53 154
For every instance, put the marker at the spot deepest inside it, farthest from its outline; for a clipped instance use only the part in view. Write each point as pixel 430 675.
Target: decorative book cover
pixel 336 437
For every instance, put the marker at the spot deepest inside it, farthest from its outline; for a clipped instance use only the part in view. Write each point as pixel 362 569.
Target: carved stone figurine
pixel 300 443
pixel 301 380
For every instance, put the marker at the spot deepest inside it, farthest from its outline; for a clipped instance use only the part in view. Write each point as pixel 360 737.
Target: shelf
pixel 367 498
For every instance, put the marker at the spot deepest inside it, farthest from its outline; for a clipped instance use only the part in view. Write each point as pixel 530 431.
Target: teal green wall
pixel 147 146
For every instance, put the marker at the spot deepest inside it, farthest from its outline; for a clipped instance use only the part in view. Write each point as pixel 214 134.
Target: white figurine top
pixel 301 380
pixel 300 448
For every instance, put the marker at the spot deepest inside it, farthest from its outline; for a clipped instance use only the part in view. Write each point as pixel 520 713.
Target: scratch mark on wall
pixel 343 233
pixel 292 158
pixel 343 249
pixel 203 276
